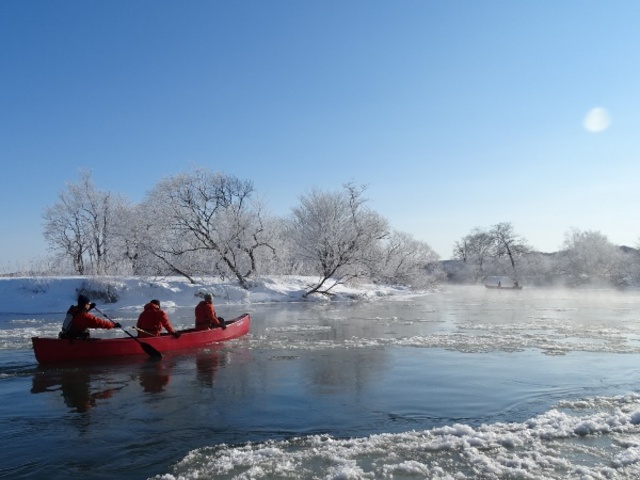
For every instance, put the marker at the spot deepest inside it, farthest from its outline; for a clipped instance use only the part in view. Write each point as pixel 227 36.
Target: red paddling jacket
pixel 152 319
pixel 206 316
pixel 82 321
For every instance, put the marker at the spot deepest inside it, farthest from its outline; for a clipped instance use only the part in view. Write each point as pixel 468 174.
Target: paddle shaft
pixel 144 331
pixel 145 346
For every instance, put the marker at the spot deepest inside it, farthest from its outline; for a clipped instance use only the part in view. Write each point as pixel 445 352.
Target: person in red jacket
pixel 79 320
pixel 206 317
pixel 153 319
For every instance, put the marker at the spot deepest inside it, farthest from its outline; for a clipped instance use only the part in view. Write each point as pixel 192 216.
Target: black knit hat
pixel 156 302
pixel 83 300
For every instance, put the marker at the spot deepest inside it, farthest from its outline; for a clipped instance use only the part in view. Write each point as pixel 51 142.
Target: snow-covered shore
pixel 55 294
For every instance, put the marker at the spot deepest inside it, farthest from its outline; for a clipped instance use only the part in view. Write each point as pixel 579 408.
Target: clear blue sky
pixel 456 114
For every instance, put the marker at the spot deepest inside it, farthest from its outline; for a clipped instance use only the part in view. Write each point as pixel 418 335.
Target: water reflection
pixel 345 370
pixel 75 386
pixel 155 376
pixel 83 388
pixel 207 363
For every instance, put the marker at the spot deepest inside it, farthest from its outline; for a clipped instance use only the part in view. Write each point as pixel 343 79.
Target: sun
pixel 597 120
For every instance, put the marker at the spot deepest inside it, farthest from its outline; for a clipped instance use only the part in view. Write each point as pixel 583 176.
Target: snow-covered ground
pixel 55 294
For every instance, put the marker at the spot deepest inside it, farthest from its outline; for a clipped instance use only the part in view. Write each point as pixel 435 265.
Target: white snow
pixel 41 295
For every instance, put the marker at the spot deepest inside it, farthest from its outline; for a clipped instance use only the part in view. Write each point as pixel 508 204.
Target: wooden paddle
pixel 149 350
pixel 143 331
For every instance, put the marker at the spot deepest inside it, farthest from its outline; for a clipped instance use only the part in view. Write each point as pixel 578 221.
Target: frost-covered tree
pixel 205 223
pixel 280 260
pixel 590 254
pixel 335 235
pixel 402 259
pixel 483 251
pixel 475 250
pixel 129 230
pixel 78 226
pixel 508 244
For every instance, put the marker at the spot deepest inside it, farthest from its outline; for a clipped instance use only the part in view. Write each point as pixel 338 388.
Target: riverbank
pixel 55 294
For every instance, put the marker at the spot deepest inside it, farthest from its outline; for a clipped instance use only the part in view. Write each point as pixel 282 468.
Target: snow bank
pixel 44 295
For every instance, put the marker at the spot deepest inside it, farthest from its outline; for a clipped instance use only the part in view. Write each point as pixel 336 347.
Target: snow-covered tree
pixel 280 260
pixel 78 226
pixel 509 245
pixel 483 250
pixel 334 235
pixel 475 250
pixel 402 259
pixel 128 231
pixel 590 254
pixel 205 223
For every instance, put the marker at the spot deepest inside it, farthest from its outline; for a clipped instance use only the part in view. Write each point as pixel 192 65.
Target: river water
pixel 468 383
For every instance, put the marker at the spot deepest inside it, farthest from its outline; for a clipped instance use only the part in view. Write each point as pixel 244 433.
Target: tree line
pixel 203 223
pixel 586 257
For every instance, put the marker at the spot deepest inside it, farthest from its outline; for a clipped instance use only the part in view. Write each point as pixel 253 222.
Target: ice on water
pixel 596 438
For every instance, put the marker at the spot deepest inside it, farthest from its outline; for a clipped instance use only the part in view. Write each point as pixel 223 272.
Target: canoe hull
pixel 54 350
pixel 503 288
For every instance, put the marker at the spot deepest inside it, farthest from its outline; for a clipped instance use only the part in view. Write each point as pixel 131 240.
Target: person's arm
pixel 86 320
pixel 167 324
pixel 218 322
pixel 215 321
pixel 212 315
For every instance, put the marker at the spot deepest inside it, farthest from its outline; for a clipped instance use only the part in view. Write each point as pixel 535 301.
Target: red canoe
pixel 51 350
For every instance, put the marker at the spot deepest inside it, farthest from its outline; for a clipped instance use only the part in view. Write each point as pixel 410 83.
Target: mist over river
pixel 467 383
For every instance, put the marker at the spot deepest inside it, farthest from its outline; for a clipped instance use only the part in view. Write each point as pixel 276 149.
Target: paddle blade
pixel 152 352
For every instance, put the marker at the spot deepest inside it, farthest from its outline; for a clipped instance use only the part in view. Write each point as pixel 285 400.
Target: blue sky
pixel 456 114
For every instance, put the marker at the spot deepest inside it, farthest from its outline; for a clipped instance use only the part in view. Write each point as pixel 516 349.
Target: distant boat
pixel 500 287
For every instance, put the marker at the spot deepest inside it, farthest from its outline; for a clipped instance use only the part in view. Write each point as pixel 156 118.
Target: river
pixel 467 383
